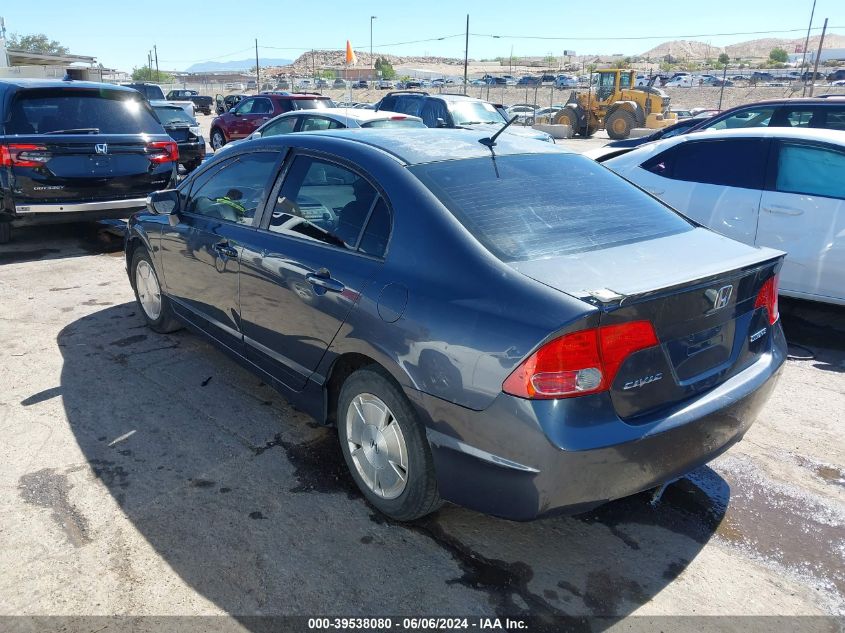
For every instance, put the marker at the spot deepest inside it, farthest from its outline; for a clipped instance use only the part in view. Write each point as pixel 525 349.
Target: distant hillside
pixel 754 49
pixel 237 64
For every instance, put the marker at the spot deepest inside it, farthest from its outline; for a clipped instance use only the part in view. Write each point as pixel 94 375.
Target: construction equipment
pixel 615 104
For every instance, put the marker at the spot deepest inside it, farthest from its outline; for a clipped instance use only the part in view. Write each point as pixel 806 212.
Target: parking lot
pixel 147 474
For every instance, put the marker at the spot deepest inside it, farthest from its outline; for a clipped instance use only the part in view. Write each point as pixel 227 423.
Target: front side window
pixel 234 192
pixel 261 106
pixel 432 110
pixel 244 107
pixel 520 208
pixel 326 202
pixel 810 170
pixel 729 163
pixel 756 117
pixel 285 125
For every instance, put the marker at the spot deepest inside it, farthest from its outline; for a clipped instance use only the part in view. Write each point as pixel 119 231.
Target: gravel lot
pixel 147 474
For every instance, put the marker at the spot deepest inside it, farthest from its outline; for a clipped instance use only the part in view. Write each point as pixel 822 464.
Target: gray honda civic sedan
pixel 498 323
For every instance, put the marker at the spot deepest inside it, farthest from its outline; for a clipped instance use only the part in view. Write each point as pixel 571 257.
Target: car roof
pixel 61 83
pixel 819 100
pixel 797 133
pixel 414 146
pixel 356 114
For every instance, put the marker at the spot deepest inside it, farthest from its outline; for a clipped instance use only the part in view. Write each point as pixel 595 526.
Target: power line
pixel 640 37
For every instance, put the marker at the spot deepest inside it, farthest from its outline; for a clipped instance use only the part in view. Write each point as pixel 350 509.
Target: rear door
pixel 320 244
pixel 200 253
pixel 802 212
pixel 84 145
pixel 715 182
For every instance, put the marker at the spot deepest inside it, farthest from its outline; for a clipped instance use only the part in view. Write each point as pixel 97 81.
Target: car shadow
pixel 59 241
pixel 250 503
pixel 815 332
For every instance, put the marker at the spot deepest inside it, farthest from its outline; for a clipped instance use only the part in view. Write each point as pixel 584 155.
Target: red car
pixel 252 112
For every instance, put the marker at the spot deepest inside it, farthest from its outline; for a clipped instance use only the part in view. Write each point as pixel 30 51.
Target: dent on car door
pixel 324 231
pixel 715 182
pixel 802 212
pixel 200 252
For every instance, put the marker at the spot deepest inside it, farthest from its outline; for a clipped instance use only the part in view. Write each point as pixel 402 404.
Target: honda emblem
pixel 723 297
pixel 101 148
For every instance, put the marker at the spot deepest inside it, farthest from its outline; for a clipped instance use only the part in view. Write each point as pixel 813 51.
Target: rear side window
pixel 311 104
pixel 532 206
pixel 729 163
pixel 40 111
pixel 284 125
pixel 810 170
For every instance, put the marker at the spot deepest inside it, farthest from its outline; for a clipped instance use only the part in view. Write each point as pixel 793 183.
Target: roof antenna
pixel 490 141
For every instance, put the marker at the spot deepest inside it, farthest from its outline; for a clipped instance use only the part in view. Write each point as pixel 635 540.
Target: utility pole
pixel 818 55
pixel 372 61
pixel 155 50
pixel 722 91
pixel 150 65
pixel 806 45
pixel 466 55
pixel 257 76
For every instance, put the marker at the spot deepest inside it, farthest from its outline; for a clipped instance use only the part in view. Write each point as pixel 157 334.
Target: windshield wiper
pixel 76 130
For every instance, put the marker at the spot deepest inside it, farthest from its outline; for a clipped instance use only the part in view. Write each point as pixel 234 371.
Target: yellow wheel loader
pixel 613 102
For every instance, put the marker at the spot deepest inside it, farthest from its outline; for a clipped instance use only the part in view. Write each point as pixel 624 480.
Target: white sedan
pixel 777 187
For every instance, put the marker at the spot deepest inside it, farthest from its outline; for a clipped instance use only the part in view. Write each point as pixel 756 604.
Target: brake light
pixel 398 118
pixel 163 151
pixel 23 155
pixel 768 298
pixel 579 363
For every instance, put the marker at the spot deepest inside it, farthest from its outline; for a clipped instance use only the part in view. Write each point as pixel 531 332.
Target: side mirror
pixel 256 134
pixel 164 202
pixel 440 122
pixel 235 113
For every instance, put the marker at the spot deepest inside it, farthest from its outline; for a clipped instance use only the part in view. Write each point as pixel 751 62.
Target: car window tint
pixel 281 126
pixel 234 192
pixel 312 123
pixel 752 117
pixel 834 119
pixel 244 106
pixel 323 201
pixel 374 240
pixel 730 163
pixel 432 110
pixel 800 118
pixel 814 171
pixel 531 206
pixel 261 106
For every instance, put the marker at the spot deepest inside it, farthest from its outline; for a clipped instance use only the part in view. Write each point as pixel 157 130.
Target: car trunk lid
pixel 698 290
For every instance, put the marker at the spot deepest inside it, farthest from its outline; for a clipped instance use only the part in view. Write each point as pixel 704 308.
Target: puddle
pixel 48 489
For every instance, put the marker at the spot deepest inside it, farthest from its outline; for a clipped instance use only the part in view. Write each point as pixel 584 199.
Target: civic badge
pixel 101 148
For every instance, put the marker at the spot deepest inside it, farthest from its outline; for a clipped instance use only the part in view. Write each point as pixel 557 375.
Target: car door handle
pixel 224 249
pixel 783 210
pixel 323 279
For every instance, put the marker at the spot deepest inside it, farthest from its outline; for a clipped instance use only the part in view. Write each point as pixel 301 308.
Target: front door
pixel 803 213
pixel 200 253
pixel 320 244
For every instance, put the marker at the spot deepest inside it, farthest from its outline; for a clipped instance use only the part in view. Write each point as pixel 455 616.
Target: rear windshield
pixel 312 104
pixel 44 110
pixel 532 206
pixel 150 91
pixel 172 114
pixel 394 123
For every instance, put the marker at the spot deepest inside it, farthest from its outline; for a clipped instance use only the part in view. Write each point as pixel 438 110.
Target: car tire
pixel 381 436
pixel 145 283
pixel 218 139
pixel 5 232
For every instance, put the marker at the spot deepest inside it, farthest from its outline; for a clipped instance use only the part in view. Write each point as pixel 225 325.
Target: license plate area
pixel 701 352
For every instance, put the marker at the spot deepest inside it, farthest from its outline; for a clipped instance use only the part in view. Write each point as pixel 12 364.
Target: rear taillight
pixel 23 155
pixel 768 298
pixel 579 363
pixel 163 151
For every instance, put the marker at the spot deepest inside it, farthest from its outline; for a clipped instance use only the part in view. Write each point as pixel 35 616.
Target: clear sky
pixel 119 32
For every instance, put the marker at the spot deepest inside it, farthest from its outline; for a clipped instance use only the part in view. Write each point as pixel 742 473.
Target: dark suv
pixel 454 111
pixel 74 150
pixel 252 112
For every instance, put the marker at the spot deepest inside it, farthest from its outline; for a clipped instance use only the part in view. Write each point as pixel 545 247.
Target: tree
pixel 145 73
pixel 724 59
pixel 385 67
pixel 37 43
pixel 779 55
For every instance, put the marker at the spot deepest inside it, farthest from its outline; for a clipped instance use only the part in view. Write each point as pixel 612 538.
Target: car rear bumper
pixel 72 212
pixel 191 152
pixel 522 459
